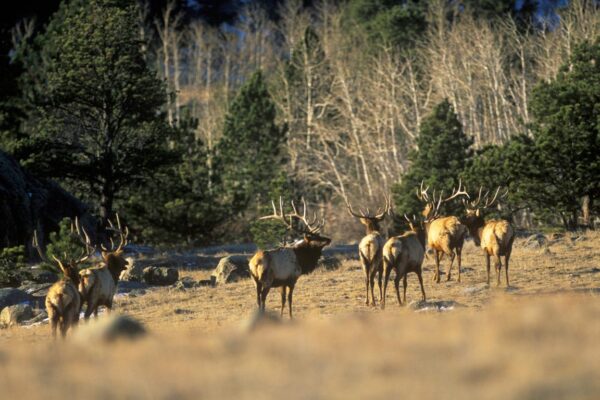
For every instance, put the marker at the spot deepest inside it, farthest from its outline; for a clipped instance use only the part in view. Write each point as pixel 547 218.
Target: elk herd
pixel 281 267
pixel 442 234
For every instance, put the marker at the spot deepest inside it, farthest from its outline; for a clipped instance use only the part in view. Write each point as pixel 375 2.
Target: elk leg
pixel 419 275
pixel 458 258
pixel 282 300
pixel 290 299
pixel 91 307
pixel 397 286
pixel 386 271
pixel 487 263
pixel 367 286
pixel 53 322
pixel 404 284
pixel 449 273
pixel 498 268
pixel 372 283
pixel 506 258
pixel 258 291
pixel 436 275
pixel 263 297
pixel 380 273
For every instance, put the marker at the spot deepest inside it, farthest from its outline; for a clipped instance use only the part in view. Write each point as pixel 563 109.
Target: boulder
pixel 160 276
pixel 15 314
pixel 134 271
pixel 11 296
pixel 108 329
pixel 28 203
pixel 231 269
pixel 39 275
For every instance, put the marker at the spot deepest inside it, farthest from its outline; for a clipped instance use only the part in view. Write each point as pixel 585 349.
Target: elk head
pixel 113 257
pixel 69 266
pixel 473 218
pixel 418 227
pixel 371 221
pixel 431 210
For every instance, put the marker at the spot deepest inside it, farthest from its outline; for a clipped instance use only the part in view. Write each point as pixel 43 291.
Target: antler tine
pixel 85 240
pixel 278 216
pixel 489 203
pixel 351 210
pixel 423 196
pixel 475 203
pixel 458 192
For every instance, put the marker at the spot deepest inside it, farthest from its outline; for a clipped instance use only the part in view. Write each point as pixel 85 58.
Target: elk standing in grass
pixel 283 266
pixel 404 254
pixel 63 301
pixel 98 285
pixel 494 236
pixel 445 235
pixel 370 247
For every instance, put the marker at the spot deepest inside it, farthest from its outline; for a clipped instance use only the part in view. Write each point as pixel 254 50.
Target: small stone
pixel 231 269
pixel 161 276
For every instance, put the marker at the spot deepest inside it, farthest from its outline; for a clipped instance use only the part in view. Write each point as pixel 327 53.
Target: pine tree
pixel 249 155
pixel 94 105
pixel 442 153
pixel 566 133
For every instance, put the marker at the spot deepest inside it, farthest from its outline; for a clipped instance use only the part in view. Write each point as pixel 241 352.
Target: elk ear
pixel 477 213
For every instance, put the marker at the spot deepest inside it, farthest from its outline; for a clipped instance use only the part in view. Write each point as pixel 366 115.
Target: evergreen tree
pixel 442 153
pixel 249 156
pixel 390 22
pixel 566 133
pixel 93 102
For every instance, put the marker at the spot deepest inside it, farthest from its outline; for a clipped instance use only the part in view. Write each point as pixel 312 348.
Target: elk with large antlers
pixel 445 235
pixel 63 301
pixel 98 284
pixel 371 246
pixel 404 254
pixel 283 266
pixel 495 237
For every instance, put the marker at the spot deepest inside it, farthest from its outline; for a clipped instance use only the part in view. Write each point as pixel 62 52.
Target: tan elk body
pixel 283 266
pixel 63 301
pixel 445 235
pixel 98 284
pixel 370 248
pixel 495 237
pixel 404 254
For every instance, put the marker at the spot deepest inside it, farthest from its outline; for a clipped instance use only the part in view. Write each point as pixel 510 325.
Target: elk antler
pixel 381 212
pixel 488 203
pixel 123 233
pixel 311 227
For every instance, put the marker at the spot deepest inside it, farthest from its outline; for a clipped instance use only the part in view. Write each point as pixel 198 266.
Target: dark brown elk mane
pixel 309 251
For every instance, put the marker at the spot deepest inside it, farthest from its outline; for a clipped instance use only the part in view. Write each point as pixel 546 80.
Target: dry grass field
pixel 539 339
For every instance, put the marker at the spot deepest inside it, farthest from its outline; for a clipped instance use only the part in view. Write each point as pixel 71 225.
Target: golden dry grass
pixel 538 340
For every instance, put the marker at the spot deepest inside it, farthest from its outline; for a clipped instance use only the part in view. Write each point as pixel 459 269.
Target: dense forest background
pixel 187 117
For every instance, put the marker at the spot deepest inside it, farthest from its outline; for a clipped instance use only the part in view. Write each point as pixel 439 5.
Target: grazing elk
pixel 98 284
pixel 370 247
pixel 404 254
pixel 283 266
pixel 445 235
pixel 63 301
pixel 495 237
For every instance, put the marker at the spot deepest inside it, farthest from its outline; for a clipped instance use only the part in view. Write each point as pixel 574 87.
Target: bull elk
pixel 98 284
pixel 445 235
pixel 404 254
pixel 370 247
pixel 495 237
pixel 283 266
pixel 63 301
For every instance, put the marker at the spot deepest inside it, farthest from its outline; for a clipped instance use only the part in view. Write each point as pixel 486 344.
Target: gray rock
pixel 536 240
pixel 38 317
pixel 109 329
pixel 476 288
pixel 35 289
pixel 231 269
pixel 11 296
pixel 160 276
pixel 15 314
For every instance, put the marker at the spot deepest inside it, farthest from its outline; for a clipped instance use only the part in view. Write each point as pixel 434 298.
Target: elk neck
pixel 115 264
pixel 371 225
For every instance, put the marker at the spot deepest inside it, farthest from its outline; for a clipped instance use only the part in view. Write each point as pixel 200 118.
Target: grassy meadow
pixel 538 339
